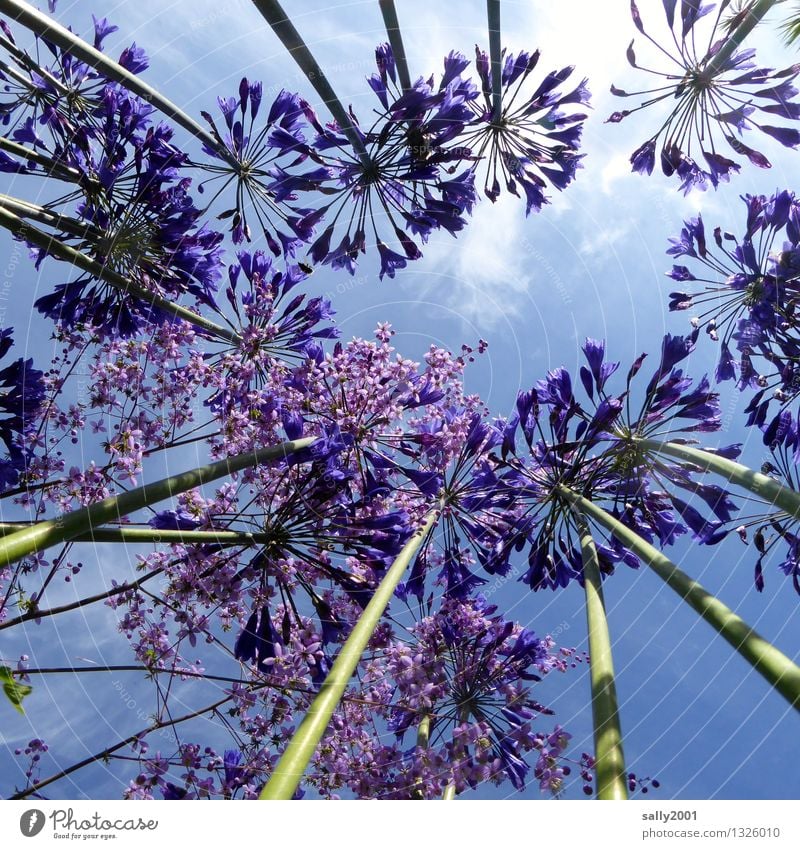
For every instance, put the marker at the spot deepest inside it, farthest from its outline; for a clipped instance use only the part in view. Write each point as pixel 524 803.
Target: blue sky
pixel 591 264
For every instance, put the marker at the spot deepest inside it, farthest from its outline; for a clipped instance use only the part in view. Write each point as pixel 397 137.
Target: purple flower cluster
pixel 709 98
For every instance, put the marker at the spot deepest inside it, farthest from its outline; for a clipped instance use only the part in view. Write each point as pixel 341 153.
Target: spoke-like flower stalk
pixel 62 251
pixel 48 29
pixel 765 487
pixel 273 13
pixel 609 758
pixel 45 534
pixel 389 13
pixel 771 663
pixel 496 56
pixel 752 17
pixel 292 765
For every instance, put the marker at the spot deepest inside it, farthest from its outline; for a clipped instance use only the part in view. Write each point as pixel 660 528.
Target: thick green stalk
pixel 54 169
pixel 450 791
pixel 765 487
pixel 735 39
pixel 27 232
pixel 389 13
pixel 133 536
pixel 301 748
pixel 67 527
pixel 496 56
pixel 25 14
pixel 273 14
pixel 609 758
pixel 424 731
pixel 768 661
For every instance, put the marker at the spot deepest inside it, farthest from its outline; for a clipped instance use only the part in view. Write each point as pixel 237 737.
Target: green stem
pixel 424 731
pixel 273 14
pixel 768 661
pixel 301 748
pixel 389 13
pixel 152 535
pixel 765 487
pixel 609 759
pixel 496 56
pixel 25 14
pixel 450 791
pixel 735 39
pixel 54 169
pixel 42 535
pixel 62 251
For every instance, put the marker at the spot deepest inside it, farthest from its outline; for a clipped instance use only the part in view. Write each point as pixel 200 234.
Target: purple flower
pixel 405 182
pixel 710 100
pixel 534 141
pixel 746 292
pixel 22 395
pixel 252 166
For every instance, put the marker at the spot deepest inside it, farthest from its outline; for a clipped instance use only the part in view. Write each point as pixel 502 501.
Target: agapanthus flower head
pixel 56 107
pixel 595 446
pixel 135 216
pixel 406 184
pixel 470 671
pixel 279 326
pixel 479 521
pixel 22 394
pixel 259 146
pixel 744 292
pixel 534 140
pixel 713 94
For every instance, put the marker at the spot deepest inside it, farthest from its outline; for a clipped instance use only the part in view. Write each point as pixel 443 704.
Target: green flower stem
pixel 42 535
pixel 54 169
pixel 58 249
pixel 389 13
pixel 735 39
pixel 273 14
pixel 765 487
pixel 26 15
pixel 424 731
pixel 767 660
pixel 496 56
pixel 450 791
pixel 301 748
pixel 423 739
pixel 609 760
pixel 34 212
pixel 150 535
